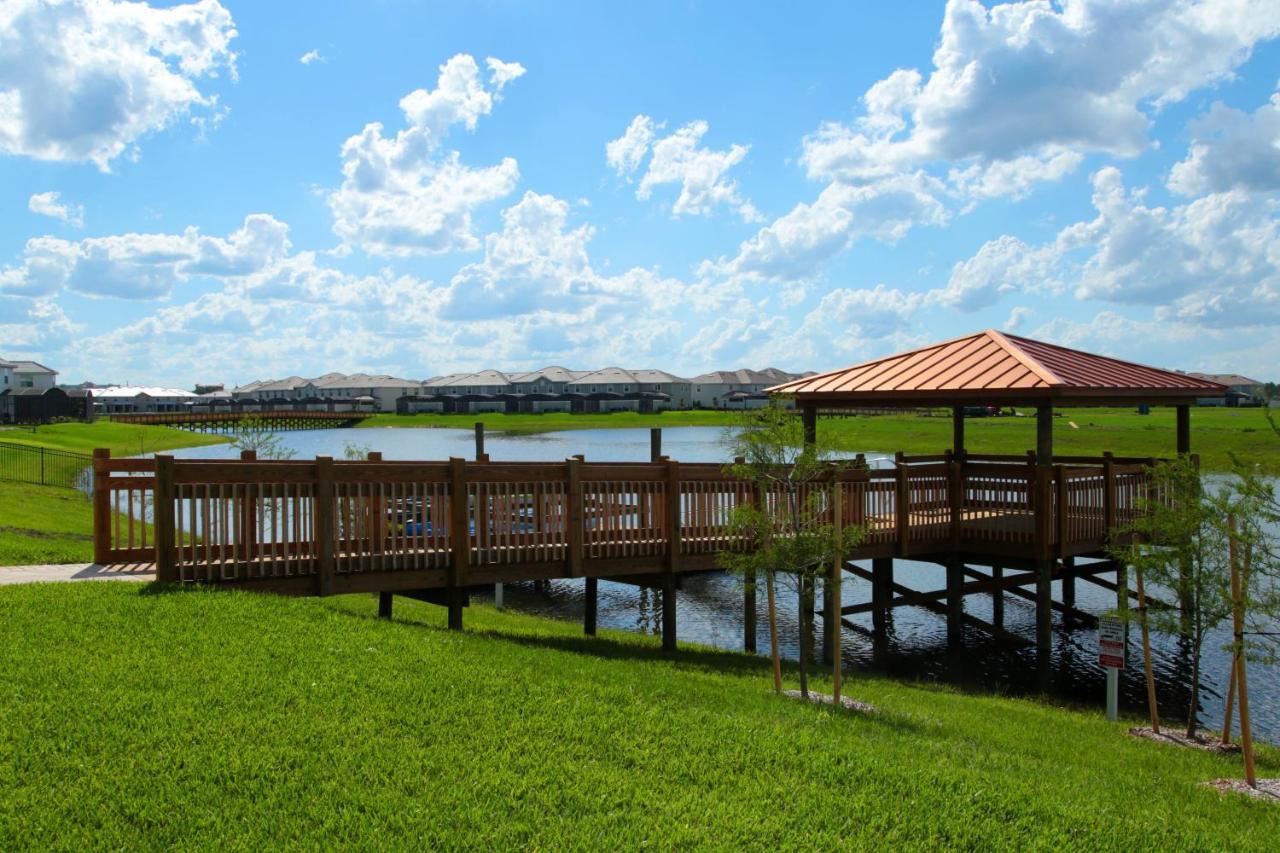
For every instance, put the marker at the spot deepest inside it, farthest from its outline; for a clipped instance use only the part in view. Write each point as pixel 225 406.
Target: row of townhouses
pixel 716 390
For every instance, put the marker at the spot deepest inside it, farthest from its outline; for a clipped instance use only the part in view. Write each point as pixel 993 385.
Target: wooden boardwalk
pixel 323 527
pixel 214 421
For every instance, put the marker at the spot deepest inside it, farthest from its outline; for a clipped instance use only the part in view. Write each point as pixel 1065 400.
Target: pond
pixel 709 609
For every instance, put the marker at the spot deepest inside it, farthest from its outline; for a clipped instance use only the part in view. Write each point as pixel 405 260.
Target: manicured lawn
pixel 120 439
pixel 1215 432
pixel 140 717
pixel 44 524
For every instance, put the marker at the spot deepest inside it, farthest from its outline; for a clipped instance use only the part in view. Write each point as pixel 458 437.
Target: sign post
pixel 1111 654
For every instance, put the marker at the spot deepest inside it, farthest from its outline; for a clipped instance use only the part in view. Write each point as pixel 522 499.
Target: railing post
pixel 249 508
pixel 460 533
pixel 575 544
pixel 1108 497
pixel 166 566
pixel 1061 507
pixel 955 497
pixel 674 516
pixel 378 513
pixel 831 594
pixel 101 507
pixel 902 507
pixel 324 525
pixel 674 519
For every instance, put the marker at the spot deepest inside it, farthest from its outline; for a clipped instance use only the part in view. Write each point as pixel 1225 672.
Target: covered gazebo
pixel 1037 512
pixel 992 368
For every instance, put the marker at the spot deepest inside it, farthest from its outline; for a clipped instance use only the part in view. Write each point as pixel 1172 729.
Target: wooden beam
pixel 591 594
pixel 957 432
pixel 655 444
pixel 809 415
pixel 1044 435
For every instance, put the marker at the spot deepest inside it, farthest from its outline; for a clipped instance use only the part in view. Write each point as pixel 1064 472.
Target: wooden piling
pixel 590 602
pixel 101 507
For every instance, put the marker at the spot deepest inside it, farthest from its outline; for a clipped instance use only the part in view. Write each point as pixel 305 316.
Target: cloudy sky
pixel 222 191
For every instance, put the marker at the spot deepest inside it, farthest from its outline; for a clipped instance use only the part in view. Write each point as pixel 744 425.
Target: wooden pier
pixel 275 419
pixel 437 529
pixel 996 525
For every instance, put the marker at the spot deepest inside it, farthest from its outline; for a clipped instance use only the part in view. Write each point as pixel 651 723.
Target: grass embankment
pixel 43 524
pixel 1215 432
pixel 120 439
pixel 141 717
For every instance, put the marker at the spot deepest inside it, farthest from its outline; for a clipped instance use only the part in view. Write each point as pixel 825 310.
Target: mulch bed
pixel 1209 744
pixel 847 702
pixel 1268 790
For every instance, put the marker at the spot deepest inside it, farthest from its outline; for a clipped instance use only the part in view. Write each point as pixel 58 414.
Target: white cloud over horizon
pixel 85 81
pixel 403 195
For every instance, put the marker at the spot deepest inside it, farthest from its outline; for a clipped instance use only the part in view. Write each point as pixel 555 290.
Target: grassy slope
pixel 1214 432
pixel 43 524
pixel 40 524
pixel 121 439
pixel 136 717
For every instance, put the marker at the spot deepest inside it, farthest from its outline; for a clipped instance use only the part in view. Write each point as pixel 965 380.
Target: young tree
pixel 256 434
pixel 1179 541
pixel 787 524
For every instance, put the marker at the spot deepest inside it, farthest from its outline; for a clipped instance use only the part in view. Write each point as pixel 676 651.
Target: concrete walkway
pixel 76 572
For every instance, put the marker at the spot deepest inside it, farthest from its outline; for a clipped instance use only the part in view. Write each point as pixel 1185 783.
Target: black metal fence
pixel 45 467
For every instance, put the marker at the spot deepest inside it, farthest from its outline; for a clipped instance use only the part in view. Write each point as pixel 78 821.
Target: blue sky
pixel 690 186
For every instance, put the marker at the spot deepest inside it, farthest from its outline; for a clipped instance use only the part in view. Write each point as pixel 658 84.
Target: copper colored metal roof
pixel 993 367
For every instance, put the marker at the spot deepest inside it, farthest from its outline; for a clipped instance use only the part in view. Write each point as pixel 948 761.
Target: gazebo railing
pixel 431 523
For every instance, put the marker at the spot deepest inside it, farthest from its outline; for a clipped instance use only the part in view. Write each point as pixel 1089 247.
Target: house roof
pixel 605 376
pixel 554 373
pixel 1229 379
pixel 31 367
pixel 993 367
pixel 484 377
pixel 125 391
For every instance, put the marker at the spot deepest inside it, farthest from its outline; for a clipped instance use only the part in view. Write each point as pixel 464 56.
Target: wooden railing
pixel 123 509
pixel 325 526
pixel 214 416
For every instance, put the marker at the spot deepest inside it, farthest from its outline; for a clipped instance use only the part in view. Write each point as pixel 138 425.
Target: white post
pixel 497 595
pixel 1113 693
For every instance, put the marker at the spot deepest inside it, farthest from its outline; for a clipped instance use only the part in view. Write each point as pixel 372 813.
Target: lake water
pixel 709 608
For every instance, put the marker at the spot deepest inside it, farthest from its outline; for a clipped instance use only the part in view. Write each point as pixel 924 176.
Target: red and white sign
pixel 1111 642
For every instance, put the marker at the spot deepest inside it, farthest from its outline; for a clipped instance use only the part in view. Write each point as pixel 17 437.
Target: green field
pixel 1215 432
pixel 120 439
pixel 44 524
pixel 137 717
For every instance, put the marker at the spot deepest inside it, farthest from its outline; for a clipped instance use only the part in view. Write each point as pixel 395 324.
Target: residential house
pixel 129 399
pixel 26 374
pixel 1241 390
pixel 712 390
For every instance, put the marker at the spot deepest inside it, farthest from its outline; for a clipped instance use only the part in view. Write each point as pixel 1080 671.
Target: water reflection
pixel 913 643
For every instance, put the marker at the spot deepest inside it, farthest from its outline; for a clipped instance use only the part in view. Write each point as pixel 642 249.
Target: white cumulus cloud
pixel 1018 87
pixel 84 80
pixel 680 159
pixel 311 56
pixel 403 195
pixel 1232 150
pixel 48 204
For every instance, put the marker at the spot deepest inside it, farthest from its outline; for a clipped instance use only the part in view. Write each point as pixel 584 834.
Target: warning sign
pixel 1111 642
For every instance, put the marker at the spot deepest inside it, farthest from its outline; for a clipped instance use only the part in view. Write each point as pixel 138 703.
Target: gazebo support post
pixel 1184 430
pixel 1044 435
pixel 809 417
pixel 955 600
pixel 957 432
pixel 1044 566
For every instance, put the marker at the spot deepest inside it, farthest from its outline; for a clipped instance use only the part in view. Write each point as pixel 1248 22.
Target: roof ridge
pixel 1027 361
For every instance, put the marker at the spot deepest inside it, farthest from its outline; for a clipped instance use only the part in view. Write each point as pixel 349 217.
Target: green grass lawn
pixel 1215 432
pixel 44 524
pixel 120 439
pixel 141 717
